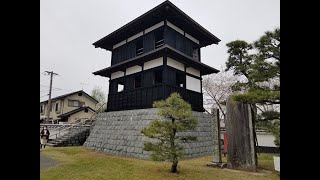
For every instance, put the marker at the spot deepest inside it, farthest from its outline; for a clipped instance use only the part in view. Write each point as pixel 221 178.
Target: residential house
pixel 72 107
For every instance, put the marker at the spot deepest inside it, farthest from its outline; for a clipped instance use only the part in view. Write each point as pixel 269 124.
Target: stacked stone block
pixel 119 133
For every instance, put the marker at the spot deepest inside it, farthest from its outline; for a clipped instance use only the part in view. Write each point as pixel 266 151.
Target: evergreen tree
pixel 260 68
pixel 176 116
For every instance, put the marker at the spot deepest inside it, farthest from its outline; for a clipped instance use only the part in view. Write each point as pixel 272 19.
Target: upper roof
pixel 165 10
pixel 69 94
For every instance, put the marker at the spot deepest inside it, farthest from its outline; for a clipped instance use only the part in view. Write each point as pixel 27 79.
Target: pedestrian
pixel 44 135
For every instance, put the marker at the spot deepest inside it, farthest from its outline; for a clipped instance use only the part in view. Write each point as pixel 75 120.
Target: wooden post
pixel 216 136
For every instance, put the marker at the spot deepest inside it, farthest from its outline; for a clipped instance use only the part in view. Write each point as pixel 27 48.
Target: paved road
pixel 46 161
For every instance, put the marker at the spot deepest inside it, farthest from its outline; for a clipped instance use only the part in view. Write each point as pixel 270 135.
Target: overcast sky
pixel 69 27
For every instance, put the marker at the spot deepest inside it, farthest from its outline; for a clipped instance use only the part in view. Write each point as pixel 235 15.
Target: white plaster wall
pixel 175 64
pixel 117 74
pixel 153 63
pixel 119 44
pixel 133 69
pixel 135 36
pixel 154 27
pixel 175 28
pixel 192 38
pixel 193 71
pixel 193 84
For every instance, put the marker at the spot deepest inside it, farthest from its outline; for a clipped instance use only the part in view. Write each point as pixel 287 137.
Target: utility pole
pixel 49 101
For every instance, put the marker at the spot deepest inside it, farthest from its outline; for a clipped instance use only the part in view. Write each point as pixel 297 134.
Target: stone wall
pixel 119 133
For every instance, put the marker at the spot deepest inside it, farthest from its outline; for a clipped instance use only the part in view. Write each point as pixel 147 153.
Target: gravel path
pixel 46 161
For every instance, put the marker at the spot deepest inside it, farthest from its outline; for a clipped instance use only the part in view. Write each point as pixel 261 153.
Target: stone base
pixel 217 165
pixel 119 133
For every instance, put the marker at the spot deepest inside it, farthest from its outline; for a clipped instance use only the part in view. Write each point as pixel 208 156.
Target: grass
pixel 82 163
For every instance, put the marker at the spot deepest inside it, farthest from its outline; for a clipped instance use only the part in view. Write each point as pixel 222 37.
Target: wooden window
pixel 157 77
pixel 195 53
pixel 120 86
pixel 139 47
pixel 82 104
pixel 57 106
pixel 180 79
pixel 74 103
pixel 159 38
pixel 137 81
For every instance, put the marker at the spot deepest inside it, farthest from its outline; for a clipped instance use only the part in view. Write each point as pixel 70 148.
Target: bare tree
pixel 99 95
pixel 217 88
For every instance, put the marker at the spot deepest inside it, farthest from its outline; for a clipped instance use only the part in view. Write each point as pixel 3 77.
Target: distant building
pixel 265 141
pixel 72 107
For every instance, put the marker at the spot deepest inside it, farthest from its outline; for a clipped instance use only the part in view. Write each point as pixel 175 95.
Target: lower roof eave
pixel 171 52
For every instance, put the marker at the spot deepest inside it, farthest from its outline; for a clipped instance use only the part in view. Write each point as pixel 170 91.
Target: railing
pixel 60 130
pixel 159 43
pixel 139 51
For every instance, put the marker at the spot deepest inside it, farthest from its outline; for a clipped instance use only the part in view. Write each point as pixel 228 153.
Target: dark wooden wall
pixel 171 37
pixel 150 91
pixel 179 42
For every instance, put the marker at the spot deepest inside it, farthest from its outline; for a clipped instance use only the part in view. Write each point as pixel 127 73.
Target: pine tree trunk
pixel 174 166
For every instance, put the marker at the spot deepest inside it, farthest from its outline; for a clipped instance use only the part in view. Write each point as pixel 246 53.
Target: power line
pixel 45 79
pixel 56 88
pixel 44 96
pixel 49 87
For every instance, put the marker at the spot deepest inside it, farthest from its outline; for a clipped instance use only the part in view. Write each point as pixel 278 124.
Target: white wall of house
pixel 153 63
pixel 133 69
pixel 80 115
pixel 119 44
pixel 117 74
pixel 154 27
pixel 192 38
pixel 175 28
pixel 135 36
pixel 193 84
pixel 193 71
pixel 64 106
pixel 175 64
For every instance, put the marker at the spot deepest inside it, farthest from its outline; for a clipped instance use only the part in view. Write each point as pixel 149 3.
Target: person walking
pixel 44 135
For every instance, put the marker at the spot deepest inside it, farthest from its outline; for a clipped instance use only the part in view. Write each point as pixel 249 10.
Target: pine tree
pixel 260 68
pixel 176 116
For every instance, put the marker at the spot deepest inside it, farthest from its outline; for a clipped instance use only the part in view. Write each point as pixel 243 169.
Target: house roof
pixel 164 11
pixel 69 94
pixel 75 111
pixel 205 69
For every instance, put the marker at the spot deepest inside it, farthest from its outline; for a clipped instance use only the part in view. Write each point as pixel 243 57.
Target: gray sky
pixel 69 27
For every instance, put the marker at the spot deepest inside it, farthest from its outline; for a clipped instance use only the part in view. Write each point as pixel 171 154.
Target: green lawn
pixel 82 163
